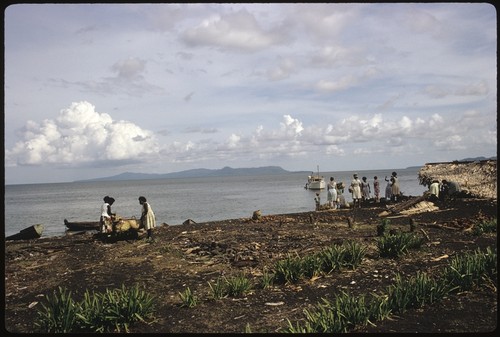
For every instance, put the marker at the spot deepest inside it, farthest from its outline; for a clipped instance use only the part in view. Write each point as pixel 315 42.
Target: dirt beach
pixel 192 255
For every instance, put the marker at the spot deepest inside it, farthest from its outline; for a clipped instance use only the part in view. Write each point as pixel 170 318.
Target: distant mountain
pixel 195 173
pixel 478 159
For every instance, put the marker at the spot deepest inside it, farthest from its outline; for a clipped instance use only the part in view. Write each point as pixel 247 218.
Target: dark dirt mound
pixel 192 255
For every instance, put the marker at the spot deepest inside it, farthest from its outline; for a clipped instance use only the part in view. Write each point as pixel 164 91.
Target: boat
pixel 315 181
pixel 81 225
pixel 29 233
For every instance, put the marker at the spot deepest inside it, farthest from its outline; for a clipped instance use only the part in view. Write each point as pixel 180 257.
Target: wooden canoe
pixel 29 233
pixel 81 225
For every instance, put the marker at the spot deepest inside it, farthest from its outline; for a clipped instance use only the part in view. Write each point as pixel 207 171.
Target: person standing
pixel 395 187
pixel 355 190
pixel 365 189
pixel 376 188
pixel 341 203
pixel 317 201
pixel 332 193
pixel 106 219
pixel 148 219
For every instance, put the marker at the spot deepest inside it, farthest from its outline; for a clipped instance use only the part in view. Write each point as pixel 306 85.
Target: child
pixel 317 200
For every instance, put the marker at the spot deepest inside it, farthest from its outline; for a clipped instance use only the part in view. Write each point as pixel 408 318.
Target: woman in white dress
pixel 395 186
pixel 356 190
pixel 148 219
pixel 332 193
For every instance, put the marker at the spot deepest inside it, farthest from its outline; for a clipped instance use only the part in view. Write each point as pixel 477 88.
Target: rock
pixel 256 215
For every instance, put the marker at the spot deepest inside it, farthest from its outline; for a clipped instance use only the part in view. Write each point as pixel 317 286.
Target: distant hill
pixel 195 173
pixel 478 159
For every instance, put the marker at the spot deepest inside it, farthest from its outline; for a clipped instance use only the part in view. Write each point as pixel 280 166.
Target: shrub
pixel 238 285
pixel 288 270
pixel 485 226
pixel 393 246
pixel 188 298
pixel 98 312
pixel 218 290
pixel 59 314
pixel 415 292
pixel 382 227
pixel 469 270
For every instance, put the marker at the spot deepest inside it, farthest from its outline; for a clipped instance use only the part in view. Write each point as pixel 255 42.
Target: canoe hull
pixel 81 225
pixel 29 233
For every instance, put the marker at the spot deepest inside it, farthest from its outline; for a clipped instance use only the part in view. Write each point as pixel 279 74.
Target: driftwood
pixel 439 226
pixel 406 204
pixel 29 233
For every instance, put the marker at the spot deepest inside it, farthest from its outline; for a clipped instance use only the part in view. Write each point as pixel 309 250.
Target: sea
pixel 174 200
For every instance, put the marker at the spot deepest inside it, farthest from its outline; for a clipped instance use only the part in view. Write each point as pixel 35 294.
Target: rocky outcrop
pixel 479 178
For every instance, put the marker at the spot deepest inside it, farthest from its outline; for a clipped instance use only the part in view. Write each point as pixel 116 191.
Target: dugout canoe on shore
pixel 81 225
pixel 29 233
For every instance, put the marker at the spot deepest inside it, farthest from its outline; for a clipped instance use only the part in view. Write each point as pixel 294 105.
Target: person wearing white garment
pixel 106 219
pixel 148 219
pixel 332 193
pixel 355 189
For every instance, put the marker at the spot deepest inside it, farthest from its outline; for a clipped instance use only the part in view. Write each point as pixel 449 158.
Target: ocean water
pixel 175 200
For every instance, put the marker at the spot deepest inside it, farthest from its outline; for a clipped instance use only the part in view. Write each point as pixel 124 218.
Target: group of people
pixel 335 197
pixel 147 221
pixel 440 191
pixel 361 190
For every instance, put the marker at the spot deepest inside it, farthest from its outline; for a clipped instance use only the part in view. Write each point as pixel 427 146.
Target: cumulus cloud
pixel 81 136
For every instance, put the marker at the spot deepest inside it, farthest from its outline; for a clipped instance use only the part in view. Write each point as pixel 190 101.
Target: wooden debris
pixel 425 234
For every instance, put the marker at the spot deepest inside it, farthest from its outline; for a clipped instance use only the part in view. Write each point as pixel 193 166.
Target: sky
pixel 94 90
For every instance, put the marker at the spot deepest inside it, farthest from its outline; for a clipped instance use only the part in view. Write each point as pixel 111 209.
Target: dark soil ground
pixel 193 255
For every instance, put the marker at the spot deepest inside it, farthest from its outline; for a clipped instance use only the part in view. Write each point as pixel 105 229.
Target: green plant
pixel 113 310
pixel 354 254
pixel 59 314
pixel 393 246
pixel 383 226
pixel 415 292
pixel 312 265
pixel 345 311
pixel 238 285
pixel 288 270
pixel 337 316
pixel 467 271
pixel 267 279
pixel 188 298
pixel 217 290
pixel 485 226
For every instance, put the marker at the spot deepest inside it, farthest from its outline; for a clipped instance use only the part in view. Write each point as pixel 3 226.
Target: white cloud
pixel 237 31
pixel 79 136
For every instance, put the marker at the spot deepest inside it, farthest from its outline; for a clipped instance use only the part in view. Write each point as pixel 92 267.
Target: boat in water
pixel 315 181
pixel 81 225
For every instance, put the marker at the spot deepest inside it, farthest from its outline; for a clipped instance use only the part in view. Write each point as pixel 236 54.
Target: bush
pixel 394 246
pixel 97 312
